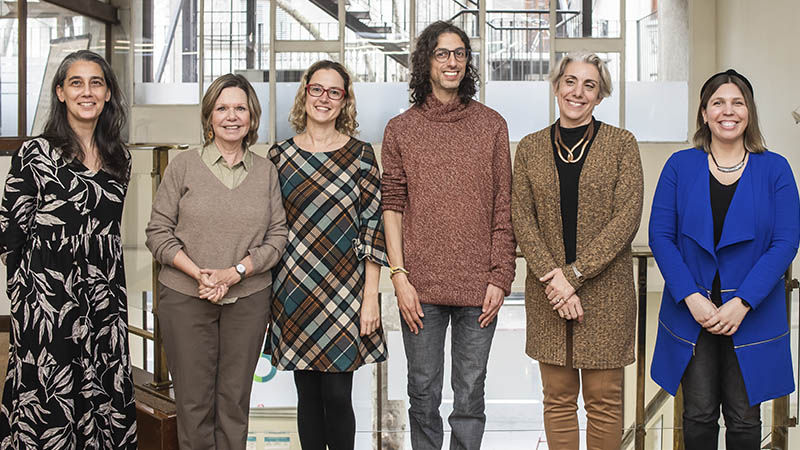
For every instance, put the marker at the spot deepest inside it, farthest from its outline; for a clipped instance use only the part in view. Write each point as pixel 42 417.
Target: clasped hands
pixel 213 284
pixel 724 320
pixel 562 295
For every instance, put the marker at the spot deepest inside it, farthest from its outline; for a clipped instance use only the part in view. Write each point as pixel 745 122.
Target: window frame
pixel 93 9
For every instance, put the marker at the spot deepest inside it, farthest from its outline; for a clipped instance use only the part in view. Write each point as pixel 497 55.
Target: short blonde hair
pixel 605 77
pixel 210 99
pixel 346 122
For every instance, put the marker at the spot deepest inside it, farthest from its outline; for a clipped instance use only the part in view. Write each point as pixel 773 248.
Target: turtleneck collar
pixel 436 111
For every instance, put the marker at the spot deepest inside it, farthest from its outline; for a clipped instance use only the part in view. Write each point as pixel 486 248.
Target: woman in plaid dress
pixel 326 313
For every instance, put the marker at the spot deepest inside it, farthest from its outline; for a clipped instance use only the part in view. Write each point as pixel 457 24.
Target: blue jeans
pixel 713 378
pixel 425 355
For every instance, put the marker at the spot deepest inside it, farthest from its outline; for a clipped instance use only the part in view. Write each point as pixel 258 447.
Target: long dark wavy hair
pixel 110 146
pixel 420 83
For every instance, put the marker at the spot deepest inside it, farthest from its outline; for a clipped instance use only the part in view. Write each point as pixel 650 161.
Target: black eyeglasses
pixel 443 54
pixel 334 93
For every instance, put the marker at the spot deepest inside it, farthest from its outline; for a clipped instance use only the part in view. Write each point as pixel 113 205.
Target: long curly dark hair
pixel 420 83
pixel 110 146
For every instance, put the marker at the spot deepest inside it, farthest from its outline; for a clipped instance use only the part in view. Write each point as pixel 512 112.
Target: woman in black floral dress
pixel 69 380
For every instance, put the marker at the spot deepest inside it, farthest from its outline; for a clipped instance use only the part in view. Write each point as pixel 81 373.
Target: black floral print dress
pixel 69 382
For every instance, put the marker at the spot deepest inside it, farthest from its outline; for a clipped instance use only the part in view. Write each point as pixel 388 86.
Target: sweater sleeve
pixel 504 246
pixel 525 216
pixel 394 187
pixel 618 233
pixel 160 231
pixel 785 236
pixel 266 255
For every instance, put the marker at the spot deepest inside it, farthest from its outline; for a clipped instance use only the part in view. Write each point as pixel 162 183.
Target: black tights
pixel 325 410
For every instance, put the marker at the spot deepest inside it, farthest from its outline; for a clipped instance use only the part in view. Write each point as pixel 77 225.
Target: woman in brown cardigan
pixel 576 205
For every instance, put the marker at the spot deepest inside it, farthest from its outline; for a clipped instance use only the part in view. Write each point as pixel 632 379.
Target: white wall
pixel 767 55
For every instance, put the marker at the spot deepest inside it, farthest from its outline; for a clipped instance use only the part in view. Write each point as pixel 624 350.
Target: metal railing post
pixel 780 406
pixel 160 371
pixel 641 348
pixel 677 420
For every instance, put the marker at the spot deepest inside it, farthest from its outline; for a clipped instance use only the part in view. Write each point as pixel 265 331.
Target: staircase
pixel 357 21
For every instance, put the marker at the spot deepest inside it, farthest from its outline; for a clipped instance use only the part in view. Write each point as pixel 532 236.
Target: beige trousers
pixel 212 352
pixel 602 397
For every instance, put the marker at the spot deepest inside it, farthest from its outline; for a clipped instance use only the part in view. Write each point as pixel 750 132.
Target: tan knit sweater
pixel 216 226
pixel 609 210
pixel 447 168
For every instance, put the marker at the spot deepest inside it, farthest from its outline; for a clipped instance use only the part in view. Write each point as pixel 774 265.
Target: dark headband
pixel 732 73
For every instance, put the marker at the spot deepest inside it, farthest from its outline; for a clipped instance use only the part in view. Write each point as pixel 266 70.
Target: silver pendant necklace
pixel 728 169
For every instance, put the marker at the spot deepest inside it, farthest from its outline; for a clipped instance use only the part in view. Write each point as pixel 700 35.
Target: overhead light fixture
pixel 796 115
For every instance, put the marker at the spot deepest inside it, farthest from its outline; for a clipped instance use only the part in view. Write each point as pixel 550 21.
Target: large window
pixel 515 42
pixel 53 32
pixel 9 67
pixel 166 68
pixel 35 35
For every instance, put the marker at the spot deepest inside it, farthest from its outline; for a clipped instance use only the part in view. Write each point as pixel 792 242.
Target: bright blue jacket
pixel 759 240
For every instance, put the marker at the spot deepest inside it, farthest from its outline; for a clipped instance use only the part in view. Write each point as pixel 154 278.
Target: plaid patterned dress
pixel 333 211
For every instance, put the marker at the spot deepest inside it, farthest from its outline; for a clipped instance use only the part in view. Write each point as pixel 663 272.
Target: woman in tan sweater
pixel 576 205
pixel 217 227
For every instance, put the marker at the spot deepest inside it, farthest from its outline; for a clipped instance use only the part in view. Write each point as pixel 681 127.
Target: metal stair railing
pixel 374 35
pixel 781 418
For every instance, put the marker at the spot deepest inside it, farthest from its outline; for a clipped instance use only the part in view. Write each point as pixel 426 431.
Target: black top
pixel 568 177
pixel 721 196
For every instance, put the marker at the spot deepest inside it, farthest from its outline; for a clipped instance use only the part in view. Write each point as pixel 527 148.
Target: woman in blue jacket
pixel 724 227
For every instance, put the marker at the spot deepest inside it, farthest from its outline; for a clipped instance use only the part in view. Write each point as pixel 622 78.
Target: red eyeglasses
pixel 334 93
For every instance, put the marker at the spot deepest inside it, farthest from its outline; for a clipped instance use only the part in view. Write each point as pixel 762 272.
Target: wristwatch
pixel 241 270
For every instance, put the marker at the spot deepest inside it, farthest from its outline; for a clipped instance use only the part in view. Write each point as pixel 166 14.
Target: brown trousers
pixel 212 352
pixel 602 397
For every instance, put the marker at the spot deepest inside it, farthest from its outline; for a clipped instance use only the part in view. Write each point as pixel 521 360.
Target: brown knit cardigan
pixel 609 210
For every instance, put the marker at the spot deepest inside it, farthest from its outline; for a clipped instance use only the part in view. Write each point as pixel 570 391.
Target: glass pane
pixel 463 14
pixel 522 103
pixel 9 67
pixel 120 52
pixel 54 32
pixel 600 20
pixel 376 41
pixel 518 44
pixel 307 20
pixel 236 40
pixel 657 61
pixel 656 111
pixel 374 115
pixel 165 67
pixel 608 110
pixel 138 260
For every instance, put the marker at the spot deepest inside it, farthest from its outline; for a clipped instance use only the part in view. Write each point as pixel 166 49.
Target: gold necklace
pixel 571 158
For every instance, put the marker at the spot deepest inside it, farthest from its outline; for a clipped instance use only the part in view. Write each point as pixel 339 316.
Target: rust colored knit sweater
pixel 447 168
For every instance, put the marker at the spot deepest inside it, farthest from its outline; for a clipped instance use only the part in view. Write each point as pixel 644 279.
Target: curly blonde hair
pixel 346 122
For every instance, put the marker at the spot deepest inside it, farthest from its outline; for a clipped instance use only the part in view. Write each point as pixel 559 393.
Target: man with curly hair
pixel 446 192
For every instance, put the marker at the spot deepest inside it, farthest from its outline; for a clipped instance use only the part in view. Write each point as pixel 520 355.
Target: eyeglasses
pixel 443 54
pixel 334 93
